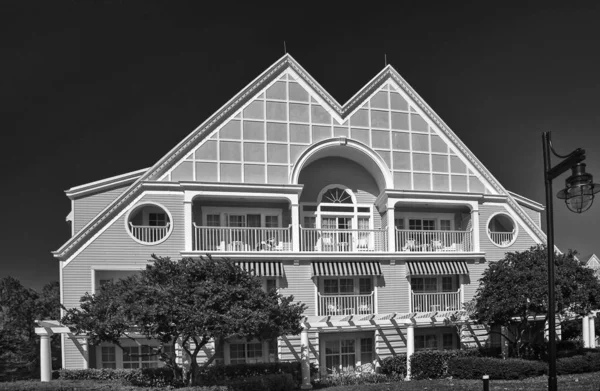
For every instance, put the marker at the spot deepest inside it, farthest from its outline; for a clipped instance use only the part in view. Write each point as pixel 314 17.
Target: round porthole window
pixel 502 230
pixel 149 223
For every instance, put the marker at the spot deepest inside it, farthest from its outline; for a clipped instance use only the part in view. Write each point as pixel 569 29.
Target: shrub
pixel 352 378
pixel 433 364
pixel 270 382
pixel 497 369
pixel 216 373
pixel 141 377
pixel 394 366
pixel 590 362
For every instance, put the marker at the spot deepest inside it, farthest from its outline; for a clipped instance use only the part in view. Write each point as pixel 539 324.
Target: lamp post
pixel 579 196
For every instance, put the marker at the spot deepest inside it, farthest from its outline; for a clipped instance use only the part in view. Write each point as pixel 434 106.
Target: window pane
pixel 330 286
pixel 431 341
pixel 448 341
pixel 213 220
pixel 237 221
pixel 365 286
pixel 417 284
pixel 399 223
pixel 366 353
pixel 447 284
pixel 428 225
pixel 430 284
pixel 445 225
pixel 271 221
pixel 346 285
pixel 271 284
pixel 237 353
pixel 310 222
pixel 414 224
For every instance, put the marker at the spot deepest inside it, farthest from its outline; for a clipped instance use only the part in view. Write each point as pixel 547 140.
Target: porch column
pixel 592 332
pixel 391 227
pixel 585 323
pixel 45 358
pixel 187 223
pixel 410 347
pixel 475 227
pixel 305 360
pixel 295 226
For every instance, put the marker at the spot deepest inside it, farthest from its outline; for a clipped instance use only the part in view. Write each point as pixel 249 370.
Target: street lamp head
pixel 580 189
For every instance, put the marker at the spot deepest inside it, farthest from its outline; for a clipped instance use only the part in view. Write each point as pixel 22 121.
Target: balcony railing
pixel 433 241
pixel 149 233
pixel 346 305
pixel 241 239
pixel 426 302
pixel 342 240
pixel 502 238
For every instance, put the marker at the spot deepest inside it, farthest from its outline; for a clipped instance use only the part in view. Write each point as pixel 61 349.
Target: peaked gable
pixel 259 134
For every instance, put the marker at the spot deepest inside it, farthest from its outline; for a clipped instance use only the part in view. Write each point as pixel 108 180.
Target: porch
pixel 427 302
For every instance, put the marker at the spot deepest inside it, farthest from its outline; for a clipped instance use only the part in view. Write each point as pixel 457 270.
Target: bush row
pixel 142 377
pixel 511 368
pixel 426 364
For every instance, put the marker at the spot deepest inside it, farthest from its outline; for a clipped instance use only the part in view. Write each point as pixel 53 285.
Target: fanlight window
pixel 337 196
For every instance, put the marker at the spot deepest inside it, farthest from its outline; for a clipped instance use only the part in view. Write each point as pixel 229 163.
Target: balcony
pixel 434 241
pixel 426 302
pixel 241 239
pixel 345 305
pixel 342 240
pixel 149 233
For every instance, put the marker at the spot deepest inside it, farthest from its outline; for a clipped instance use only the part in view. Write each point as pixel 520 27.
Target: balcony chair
pixel 410 245
pixel 362 244
pixel 436 245
pixel 450 248
pixel 325 244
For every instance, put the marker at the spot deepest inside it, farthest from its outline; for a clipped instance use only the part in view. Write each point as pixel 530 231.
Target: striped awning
pixel 428 268
pixel 262 269
pixel 364 268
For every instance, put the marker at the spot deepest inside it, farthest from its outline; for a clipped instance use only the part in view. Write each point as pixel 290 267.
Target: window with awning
pixel 262 269
pixel 364 268
pixel 432 268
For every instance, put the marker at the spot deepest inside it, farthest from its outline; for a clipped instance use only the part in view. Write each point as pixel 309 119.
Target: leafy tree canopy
pixel 19 308
pixel 191 302
pixel 514 291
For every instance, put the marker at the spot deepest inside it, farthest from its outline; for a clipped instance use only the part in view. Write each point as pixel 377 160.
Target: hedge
pixel 141 377
pixel 497 369
pixel 433 364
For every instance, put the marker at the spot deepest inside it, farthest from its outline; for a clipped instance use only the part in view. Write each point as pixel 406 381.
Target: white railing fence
pixel 427 241
pixel 345 304
pixel 241 239
pixel 149 233
pixel 342 240
pixel 501 238
pixel 425 302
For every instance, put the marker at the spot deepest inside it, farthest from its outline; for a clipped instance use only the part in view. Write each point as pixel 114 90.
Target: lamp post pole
pixel 570 162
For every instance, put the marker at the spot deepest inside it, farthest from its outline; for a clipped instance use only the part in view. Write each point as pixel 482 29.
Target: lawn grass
pixel 579 382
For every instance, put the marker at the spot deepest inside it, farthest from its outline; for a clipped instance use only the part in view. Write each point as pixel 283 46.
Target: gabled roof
pixel 341 111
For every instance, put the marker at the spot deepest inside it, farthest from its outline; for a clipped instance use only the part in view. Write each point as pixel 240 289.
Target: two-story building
pixel 372 213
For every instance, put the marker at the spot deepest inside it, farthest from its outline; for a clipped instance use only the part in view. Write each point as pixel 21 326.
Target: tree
pixel 19 308
pixel 513 292
pixel 189 302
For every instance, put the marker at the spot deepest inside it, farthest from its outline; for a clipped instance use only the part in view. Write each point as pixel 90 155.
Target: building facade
pixel 372 213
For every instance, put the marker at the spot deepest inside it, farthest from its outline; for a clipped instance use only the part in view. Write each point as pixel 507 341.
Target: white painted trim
pixel 238 211
pixel 115 181
pixel 140 205
pixel 524 201
pixel 515 225
pixel 120 268
pixel 332 142
pixel 62 313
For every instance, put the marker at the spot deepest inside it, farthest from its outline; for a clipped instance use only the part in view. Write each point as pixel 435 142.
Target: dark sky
pixel 92 89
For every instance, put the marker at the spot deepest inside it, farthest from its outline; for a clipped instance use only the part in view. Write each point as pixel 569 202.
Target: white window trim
pixel 456 285
pixel 515 225
pixel 406 216
pixel 144 218
pixel 439 333
pixel 356 285
pixel 265 349
pixel 119 352
pixel 224 212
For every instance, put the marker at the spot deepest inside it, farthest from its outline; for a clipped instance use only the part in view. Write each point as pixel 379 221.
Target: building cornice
pixel 104 184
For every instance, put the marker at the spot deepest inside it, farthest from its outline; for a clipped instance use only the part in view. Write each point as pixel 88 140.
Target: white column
pixel 85 352
pixel 592 331
pixel 45 358
pixel 475 225
pixel 391 228
pixel 187 223
pixel 410 347
pixel 295 227
pixel 305 360
pixel 585 323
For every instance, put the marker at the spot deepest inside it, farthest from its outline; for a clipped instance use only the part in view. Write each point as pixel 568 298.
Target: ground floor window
pixel 243 352
pixel 436 338
pixel 131 356
pixel 348 352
